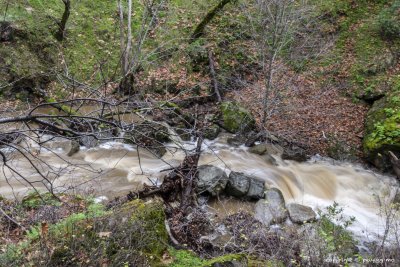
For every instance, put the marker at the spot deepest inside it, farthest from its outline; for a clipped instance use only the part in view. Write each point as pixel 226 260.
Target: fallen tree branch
pixel 214 81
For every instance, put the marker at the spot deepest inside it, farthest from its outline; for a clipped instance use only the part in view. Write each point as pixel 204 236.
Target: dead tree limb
pixel 9 218
pixel 189 172
pixel 213 75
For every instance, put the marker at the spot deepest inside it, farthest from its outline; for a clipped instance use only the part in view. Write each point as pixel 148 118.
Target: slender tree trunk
pixel 64 20
pixel 122 37
pixel 129 38
pixel 268 87
pixel 214 76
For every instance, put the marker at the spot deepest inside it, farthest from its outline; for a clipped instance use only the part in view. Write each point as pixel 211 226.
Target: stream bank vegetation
pixel 298 75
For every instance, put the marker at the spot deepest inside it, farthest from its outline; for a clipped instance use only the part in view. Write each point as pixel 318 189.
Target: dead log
pixel 179 184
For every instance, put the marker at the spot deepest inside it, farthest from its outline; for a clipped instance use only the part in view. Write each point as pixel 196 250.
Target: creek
pixel 113 169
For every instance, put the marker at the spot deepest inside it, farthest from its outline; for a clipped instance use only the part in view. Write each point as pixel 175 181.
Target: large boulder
pixel 300 213
pixel 242 185
pixel 238 184
pixel 272 209
pixel 236 118
pixel 211 179
pixel 293 152
pixel 382 131
pixel 256 189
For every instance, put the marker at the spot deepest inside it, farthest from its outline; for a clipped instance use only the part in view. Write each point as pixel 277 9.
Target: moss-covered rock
pixel 133 234
pixel 212 132
pixel 382 130
pixel 236 118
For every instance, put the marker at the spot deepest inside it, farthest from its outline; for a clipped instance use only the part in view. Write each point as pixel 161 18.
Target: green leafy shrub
pixel 389 21
pixel 333 228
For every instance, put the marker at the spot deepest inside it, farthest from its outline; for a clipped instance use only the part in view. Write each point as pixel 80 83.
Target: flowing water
pixel 113 169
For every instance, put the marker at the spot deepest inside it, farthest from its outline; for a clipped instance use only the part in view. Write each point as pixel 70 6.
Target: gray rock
pixel 238 184
pixel 219 238
pixel 300 213
pixel 259 149
pixel 267 150
pixel 74 148
pixel 88 141
pixel 256 189
pixel 211 179
pixel 271 209
pixel 212 132
pixel 236 140
pixel 242 185
pixel 396 198
pixel 294 153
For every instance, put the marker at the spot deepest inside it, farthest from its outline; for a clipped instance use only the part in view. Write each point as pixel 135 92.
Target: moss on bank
pixel 382 129
pixel 236 118
pixel 131 234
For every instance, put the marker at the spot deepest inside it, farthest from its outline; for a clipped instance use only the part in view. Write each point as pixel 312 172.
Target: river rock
pixel 212 132
pixel 236 118
pixel 74 148
pixel 211 179
pixel 294 153
pixel 396 198
pixel 238 184
pixel 271 209
pixel 236 140
pixel 88 141
pixel 300 213
pixel 259 149
pixel 242 185
pixel 256 189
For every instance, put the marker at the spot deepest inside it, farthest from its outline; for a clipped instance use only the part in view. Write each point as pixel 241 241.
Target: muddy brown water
pixel 113 169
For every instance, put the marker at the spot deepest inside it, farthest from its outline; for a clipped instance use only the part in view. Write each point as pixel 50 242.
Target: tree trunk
pixel 64 19
pixel 129 40
pixel 122 37
pixel 214 76
pixel 199 31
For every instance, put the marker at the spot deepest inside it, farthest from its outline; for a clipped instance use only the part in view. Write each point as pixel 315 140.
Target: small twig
pixel 11 219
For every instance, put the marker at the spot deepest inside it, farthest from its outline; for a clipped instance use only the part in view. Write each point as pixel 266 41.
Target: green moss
pixel 152 218
pixel 265 263
pixel 13 254
pixel 389 21
pixel 34 200
pixel 183 258
pixel 226 258
pixel 235 118
pixel 134 232
pixel 383 124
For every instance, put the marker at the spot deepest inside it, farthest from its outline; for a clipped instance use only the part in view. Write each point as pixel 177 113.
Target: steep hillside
pixel 323 86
